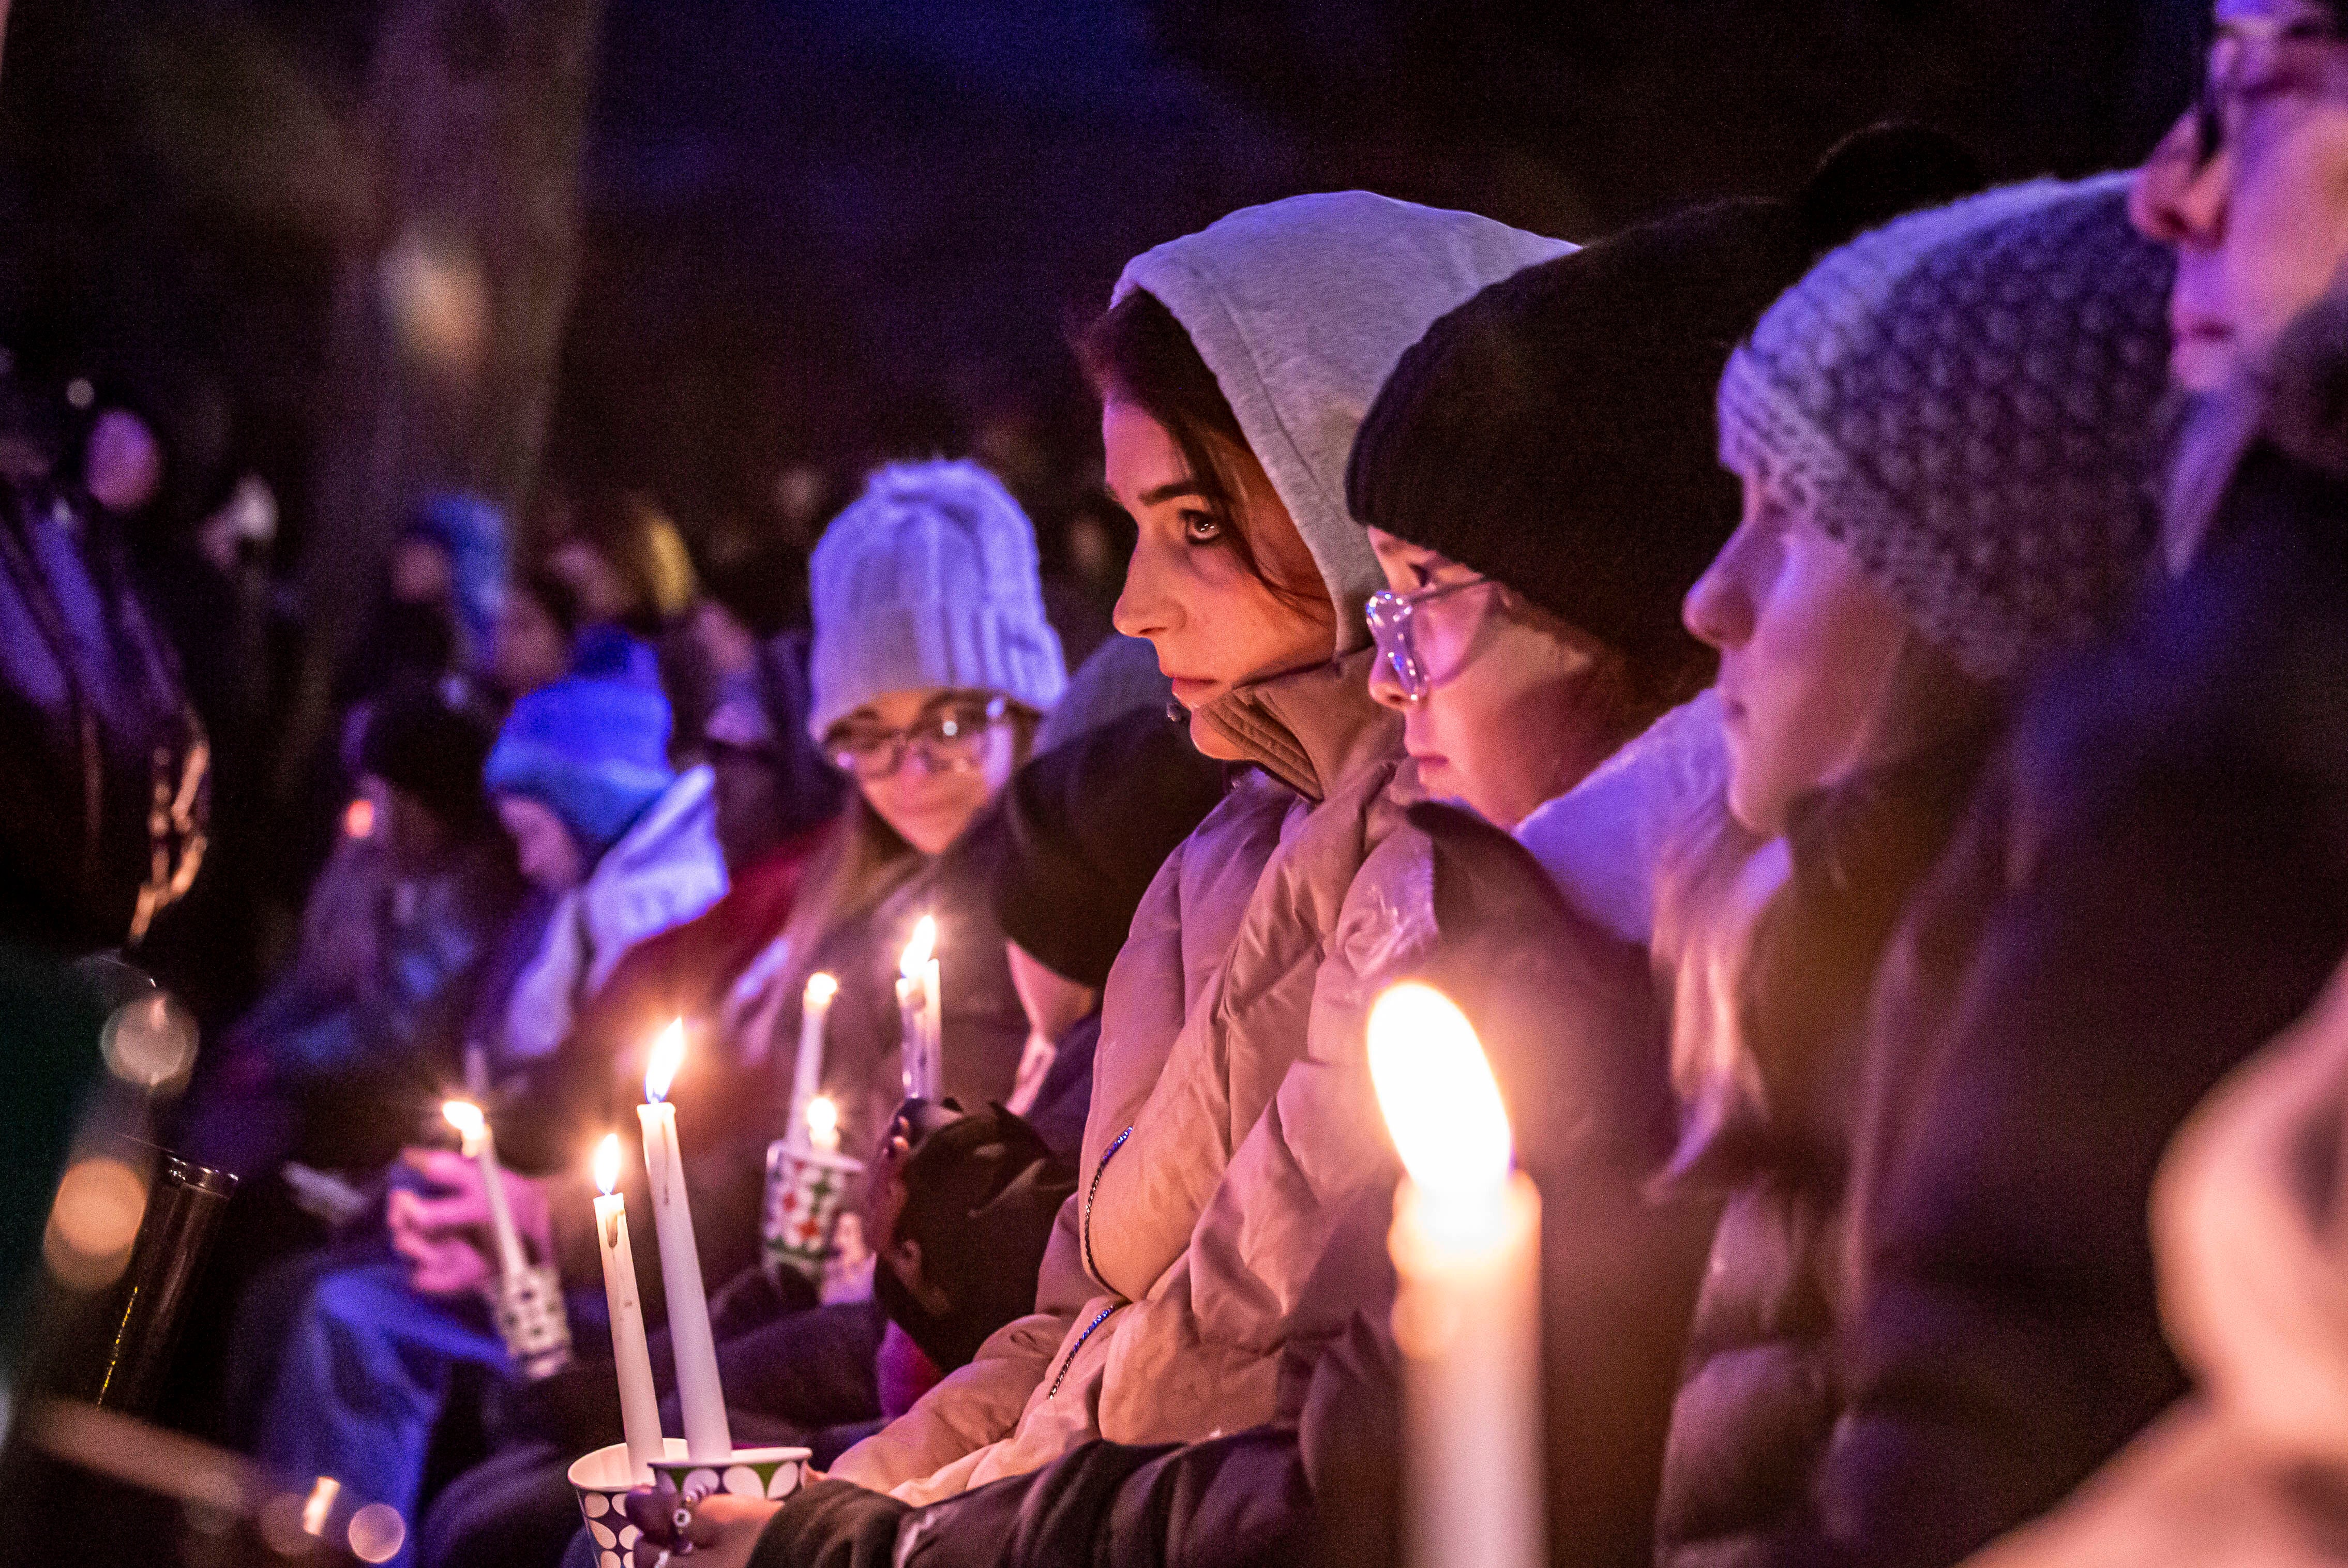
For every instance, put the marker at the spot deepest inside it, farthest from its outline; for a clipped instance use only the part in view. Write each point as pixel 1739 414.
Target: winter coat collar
pixel 676 823
pixel 1308 728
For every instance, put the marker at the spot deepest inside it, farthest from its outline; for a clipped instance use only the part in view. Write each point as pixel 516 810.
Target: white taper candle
pixel 806 1079
pixel 639 1401
pixel 480 1145
pixel 706 1434
pixel 1467 1246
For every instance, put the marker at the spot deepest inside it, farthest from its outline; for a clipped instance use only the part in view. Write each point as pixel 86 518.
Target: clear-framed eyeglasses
pixel 1393 625
pixel 947 738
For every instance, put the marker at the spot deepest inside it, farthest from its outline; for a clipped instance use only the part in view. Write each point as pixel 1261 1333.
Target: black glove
pixel 831 1524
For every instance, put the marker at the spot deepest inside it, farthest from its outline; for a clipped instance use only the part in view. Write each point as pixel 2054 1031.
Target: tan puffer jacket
pixel 1233 1126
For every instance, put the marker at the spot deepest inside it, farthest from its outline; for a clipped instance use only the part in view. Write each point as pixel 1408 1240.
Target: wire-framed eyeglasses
pixel 1394 627
pixel 946 738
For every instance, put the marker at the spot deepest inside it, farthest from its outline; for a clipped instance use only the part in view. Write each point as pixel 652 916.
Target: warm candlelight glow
pixel 320 1504
pixel 1466 1245
pixel 668 1054
pixel 1441 1105
pixel 823 1121
pixel 919 950
pixel 466 1117
pixel 607 1162
pixel 820 989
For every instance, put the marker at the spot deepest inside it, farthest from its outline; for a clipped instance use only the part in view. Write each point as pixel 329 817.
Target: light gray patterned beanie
pixel 929 579
pixel 1967 396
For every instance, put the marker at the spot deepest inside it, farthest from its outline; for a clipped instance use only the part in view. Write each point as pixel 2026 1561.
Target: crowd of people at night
pixel 1846 688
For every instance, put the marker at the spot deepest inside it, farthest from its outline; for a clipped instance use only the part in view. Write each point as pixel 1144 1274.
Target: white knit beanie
pixel 929 580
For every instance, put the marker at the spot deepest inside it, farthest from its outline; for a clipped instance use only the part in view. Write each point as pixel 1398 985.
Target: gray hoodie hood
pixel 1301 309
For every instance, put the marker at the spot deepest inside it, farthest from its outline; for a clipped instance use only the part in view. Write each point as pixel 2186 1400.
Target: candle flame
pixel 1441 1104
pixel 465 1117
pixel 820 988
pixel 607 1164
pixel 823 1118
pixel 668 1054
pixel 918 950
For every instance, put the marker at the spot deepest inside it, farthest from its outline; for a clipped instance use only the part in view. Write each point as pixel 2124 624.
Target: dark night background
pixel 737 250
pixel 815 230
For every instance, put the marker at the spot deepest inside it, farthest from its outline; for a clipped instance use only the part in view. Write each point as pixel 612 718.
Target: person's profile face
pixel 1215 623
pixel 1808 644
pixel 2250 190
pixel 544 849
pixel 1508 707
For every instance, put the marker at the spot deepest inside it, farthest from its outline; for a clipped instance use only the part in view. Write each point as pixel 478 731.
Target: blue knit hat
pixel 592 751
pixel 1967 398
pixel 929 580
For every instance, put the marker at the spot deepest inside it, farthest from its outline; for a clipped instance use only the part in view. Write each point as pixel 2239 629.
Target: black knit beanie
pixel 432 749
pixel 1071 845
pixel 1556 433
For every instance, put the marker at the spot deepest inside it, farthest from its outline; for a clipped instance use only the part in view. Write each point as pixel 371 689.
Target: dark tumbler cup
pixel 185 1204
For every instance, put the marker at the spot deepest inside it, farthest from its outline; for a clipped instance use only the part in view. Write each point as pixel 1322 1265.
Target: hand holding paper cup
pixel 603 1480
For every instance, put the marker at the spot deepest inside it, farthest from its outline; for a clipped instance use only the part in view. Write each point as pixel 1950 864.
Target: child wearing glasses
pixel 932 666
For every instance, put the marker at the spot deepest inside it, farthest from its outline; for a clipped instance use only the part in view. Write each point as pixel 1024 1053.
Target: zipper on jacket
pixel 1092 1190
pixel 1098 1318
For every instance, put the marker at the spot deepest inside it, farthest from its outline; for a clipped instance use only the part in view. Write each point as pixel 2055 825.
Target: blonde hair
pixel 860 862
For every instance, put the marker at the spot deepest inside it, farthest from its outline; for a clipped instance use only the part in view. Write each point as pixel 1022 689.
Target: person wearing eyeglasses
pixel 2251 187
pixel 932 667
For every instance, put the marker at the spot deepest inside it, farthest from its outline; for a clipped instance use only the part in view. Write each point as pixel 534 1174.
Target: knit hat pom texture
pixel 1965 398
pixel 928 580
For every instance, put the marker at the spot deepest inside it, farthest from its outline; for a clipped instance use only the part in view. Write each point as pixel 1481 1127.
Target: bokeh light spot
pixel 93 1222
pixel 378 1532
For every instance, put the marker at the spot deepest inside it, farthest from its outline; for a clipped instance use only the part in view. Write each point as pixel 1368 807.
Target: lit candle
pixel 822 1125
pixel 1466 1245
pixel 706 1436
pixel 815 1006
pixel 917 1011
pixel 639 1403
pixel 481 1146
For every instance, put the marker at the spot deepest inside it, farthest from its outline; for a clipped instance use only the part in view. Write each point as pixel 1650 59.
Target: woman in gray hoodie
pixel 1233 1133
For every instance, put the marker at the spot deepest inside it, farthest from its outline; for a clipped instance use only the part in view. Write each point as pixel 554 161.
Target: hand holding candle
pixel 639 1403
pixel 706 1434
pixel 1466 1242
pixel 526 1300
pixel 481 1146
pixel 918 1010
